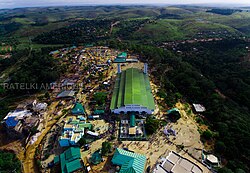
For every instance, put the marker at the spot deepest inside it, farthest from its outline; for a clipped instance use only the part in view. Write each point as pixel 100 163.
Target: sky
pixel 37 3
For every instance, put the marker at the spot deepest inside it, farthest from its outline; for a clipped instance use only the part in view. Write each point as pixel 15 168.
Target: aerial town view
pixel 124 88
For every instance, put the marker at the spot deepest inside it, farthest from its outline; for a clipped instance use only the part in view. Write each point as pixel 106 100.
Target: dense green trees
pixel 151 125
pixel 17 55
pixel 35 73
pixel 85 31
pixel 223 11
pixel 100 97
pixel 9 163
pixel 106 148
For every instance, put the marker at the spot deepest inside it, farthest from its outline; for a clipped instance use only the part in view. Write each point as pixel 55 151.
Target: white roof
pixel 179 169
pixel 92 133
pixel 175 163
pixel 173 157
pixel 199 108
pixel 18 114
pixel 186 164
pixel 213 159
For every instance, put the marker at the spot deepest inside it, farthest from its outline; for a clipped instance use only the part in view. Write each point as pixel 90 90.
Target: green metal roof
pixel 78 109
pixel 70 160
pixel 122 55
pixel 132 120
pixel 96 157
pixel 85 125
pixel 132 87
pixel 56 159
pixel 129 162
pixel 120 60
pixel 73 166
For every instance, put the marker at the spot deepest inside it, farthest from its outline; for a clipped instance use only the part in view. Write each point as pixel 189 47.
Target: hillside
pixel 195 54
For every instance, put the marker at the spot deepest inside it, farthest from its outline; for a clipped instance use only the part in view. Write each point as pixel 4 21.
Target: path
pixel 29 165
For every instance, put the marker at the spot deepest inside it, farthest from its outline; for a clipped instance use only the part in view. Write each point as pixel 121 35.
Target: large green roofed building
pixel 130 162
pixel 132 92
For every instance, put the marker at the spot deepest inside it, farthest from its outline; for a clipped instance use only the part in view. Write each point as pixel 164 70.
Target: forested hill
pixel 225 63
pixel 197 69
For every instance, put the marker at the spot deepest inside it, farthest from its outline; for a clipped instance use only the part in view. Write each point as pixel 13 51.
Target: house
pixel 174 163
pixel 210 160
pixel 73 131
pixel 96 157
pixel 12 118
pixel 11 122
pixel 199 108
pixel 78 109
pixel 121 58
pixel 40 106
pixel 66 95
pixel 70 160
pixel 129 161
pixel 99 111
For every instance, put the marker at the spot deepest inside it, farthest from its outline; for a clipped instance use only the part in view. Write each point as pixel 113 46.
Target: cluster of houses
pixel 75 127
pixel 27 116
pixel 130 86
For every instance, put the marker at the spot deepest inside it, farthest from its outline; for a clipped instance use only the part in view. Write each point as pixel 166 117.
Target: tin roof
pixel 132 87
pixel 130 162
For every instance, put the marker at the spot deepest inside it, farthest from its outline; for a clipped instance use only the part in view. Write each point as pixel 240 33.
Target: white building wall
pixel 131 108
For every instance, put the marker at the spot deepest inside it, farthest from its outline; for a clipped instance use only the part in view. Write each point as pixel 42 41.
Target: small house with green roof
pixel 129 162
pixel 121 58
pixel 96 157
pixel 132 93
pixel 70 160
pixel 78 109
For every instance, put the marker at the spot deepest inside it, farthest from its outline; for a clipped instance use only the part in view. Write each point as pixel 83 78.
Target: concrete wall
pixel 130 109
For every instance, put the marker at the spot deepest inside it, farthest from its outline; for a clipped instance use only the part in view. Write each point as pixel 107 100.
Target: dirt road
pixel 29 165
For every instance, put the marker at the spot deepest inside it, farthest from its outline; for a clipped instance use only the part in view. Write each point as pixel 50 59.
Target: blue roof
pixel 11 122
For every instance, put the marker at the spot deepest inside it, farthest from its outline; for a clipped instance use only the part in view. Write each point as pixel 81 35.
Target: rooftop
pixel 78 109
pixel 199 108
pixel 70 160
pixel 65 94
pixel 122 55
pixel 121 58
pixel 130 162
pixel 132 87
pixel 175 163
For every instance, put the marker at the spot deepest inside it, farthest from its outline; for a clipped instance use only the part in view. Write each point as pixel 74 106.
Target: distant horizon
pixel 11 5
